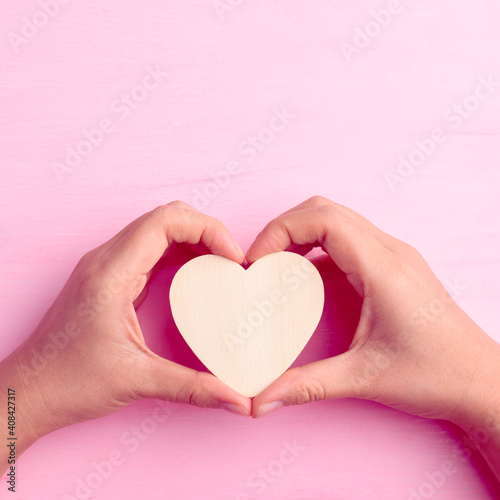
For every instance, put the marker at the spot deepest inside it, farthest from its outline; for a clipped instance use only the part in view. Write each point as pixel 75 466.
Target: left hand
pixel 87 358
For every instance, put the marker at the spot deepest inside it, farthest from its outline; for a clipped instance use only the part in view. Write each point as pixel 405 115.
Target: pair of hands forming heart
pixel 414 348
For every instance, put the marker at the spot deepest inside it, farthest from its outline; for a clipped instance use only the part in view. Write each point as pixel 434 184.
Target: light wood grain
pixel 247 326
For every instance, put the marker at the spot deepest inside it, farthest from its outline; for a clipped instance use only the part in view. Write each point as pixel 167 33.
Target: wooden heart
pixel 247 326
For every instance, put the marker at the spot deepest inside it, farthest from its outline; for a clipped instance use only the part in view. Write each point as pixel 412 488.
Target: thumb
pixel 170 381
pixel 326 379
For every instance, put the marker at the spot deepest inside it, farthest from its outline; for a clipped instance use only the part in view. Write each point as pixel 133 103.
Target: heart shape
pixel 247 326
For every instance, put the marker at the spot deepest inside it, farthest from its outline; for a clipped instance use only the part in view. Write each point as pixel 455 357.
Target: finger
pixel 170 381
pixel 143 245
pixel 318 201
pixel 181 204
pixel 314 201
pixel 326 379
pixel 355 251
pixel 174 255
pixel 107 245
pixel 180 253
pixel 300 249
pixel 118 236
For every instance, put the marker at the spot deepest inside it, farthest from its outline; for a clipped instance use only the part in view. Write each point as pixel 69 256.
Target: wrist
pixel 483 428
pixel 17 372
pixel 17 419
pixel 477 411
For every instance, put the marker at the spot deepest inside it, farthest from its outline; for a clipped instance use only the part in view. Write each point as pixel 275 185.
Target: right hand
pixel 414 349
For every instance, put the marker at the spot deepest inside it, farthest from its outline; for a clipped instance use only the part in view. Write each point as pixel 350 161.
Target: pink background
pixel 225 75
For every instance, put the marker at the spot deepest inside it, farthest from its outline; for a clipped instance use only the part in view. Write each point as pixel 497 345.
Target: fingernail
pixel 238 409
pixel 240 251
pixel 269 407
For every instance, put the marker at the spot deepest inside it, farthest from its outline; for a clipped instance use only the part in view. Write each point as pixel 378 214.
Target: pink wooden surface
pixel 220 76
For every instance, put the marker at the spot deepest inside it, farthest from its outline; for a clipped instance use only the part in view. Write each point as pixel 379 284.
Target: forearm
pixel 484 432
pixel 17 416
pixel 487 438
pixel 480 416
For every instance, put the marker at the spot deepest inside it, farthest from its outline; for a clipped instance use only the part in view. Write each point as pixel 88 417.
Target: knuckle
pixel 274 226
pixel 179 204
pixel 329 211
pixel 408 250
pixel 401 276
pixel 90 272
pixel 318 200
pixel 86 259
pixel 408 272
pixel 307 391
pixel 273 233
pixel 159 215
pixel 196 392
pixel 212 230
pixel 214 224
pixel 90 277
pixel 160 211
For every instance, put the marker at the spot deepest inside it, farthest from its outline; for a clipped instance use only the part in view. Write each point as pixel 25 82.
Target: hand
pixel 87 358
pixel 414 348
